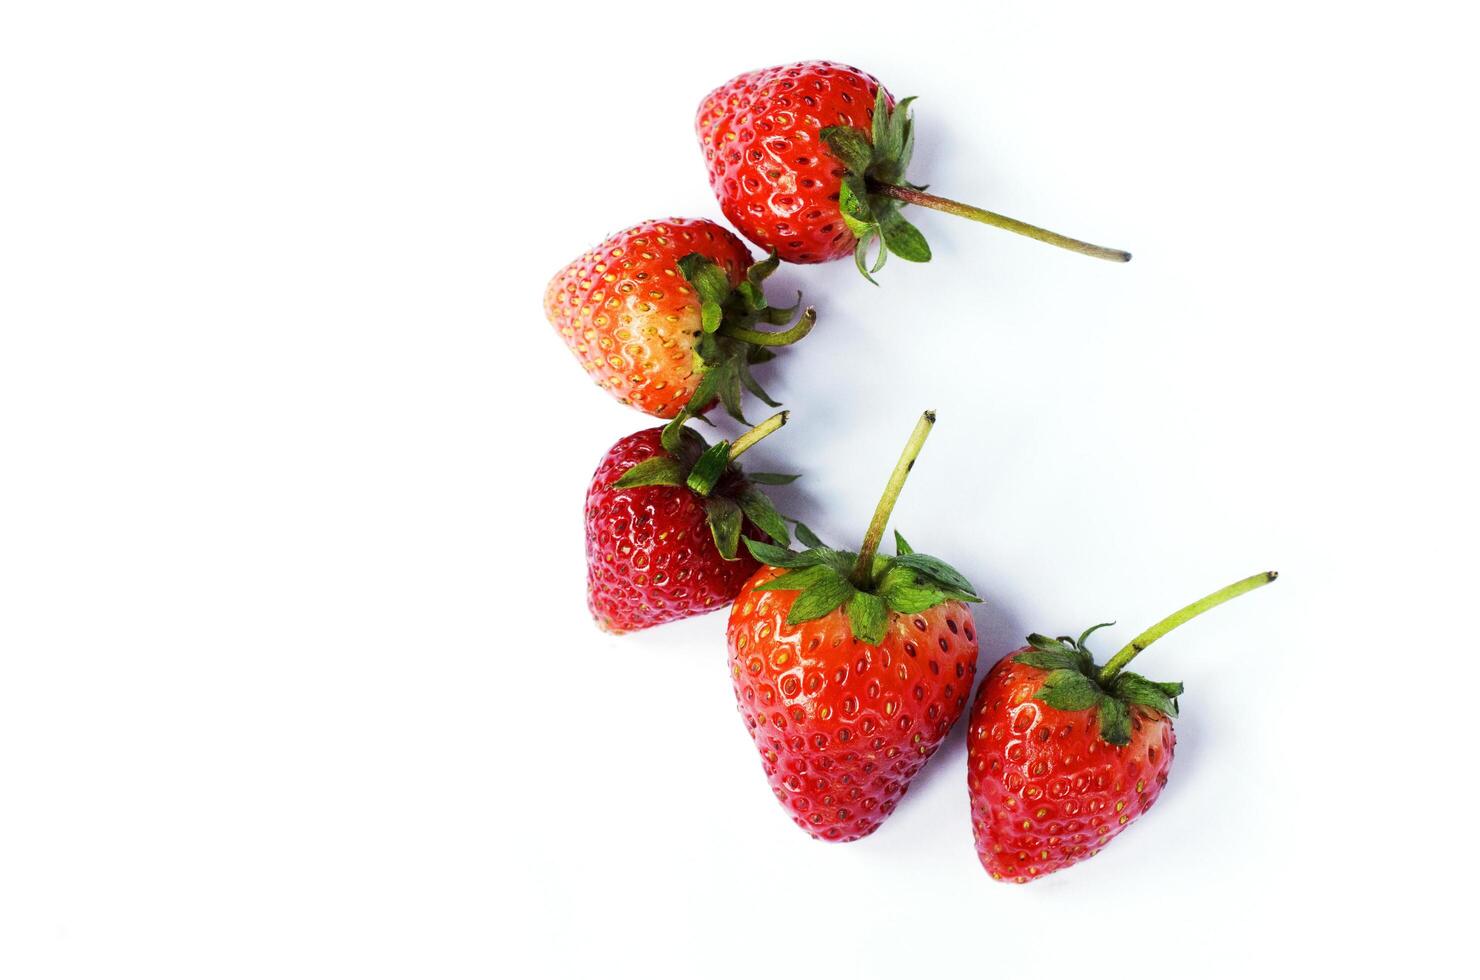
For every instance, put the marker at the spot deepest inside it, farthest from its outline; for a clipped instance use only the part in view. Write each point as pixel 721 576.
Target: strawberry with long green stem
pixel 809 160
pixel 1062 754
pixel 849 669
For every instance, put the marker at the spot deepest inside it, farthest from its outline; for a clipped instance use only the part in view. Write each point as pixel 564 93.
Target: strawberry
pixel 1062 754
pixel 849 670
pixel 664 515
pixel 809 160
pixel 663 316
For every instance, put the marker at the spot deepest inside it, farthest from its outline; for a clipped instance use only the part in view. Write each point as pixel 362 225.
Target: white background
pixel 296 676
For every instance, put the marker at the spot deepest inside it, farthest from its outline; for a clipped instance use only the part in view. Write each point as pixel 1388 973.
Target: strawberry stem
pixel 756 434
pixel 1129 651
pixel 863 569
pixel 911 196
pixel 781 338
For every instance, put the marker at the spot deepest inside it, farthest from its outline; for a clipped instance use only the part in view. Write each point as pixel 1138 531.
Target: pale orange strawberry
pixel 666 307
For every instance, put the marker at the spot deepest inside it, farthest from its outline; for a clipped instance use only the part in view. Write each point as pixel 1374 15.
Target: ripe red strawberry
pixel 809 160
pixel 850 669
pixel 663 316
pixel 664 515
pixel 1063 754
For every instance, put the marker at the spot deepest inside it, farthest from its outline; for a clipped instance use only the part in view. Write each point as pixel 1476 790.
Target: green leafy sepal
pixel 729 343
pixel 1073 684
pixel 872 160
pixel 905 583
pixel 730 495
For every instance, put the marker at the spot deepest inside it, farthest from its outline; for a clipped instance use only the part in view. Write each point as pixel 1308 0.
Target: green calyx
pixel 869 585
pixel 874 188
pixel 730 495
pixel 906 583
pixel 875 161
pixel 1076 683
pixel 729 343
pixel 1073 684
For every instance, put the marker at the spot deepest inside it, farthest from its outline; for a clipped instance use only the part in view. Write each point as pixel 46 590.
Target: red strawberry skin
pixel 842 726
pixel 629 316
pixel 650 556
pixel 775 179
pixel 1046 791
